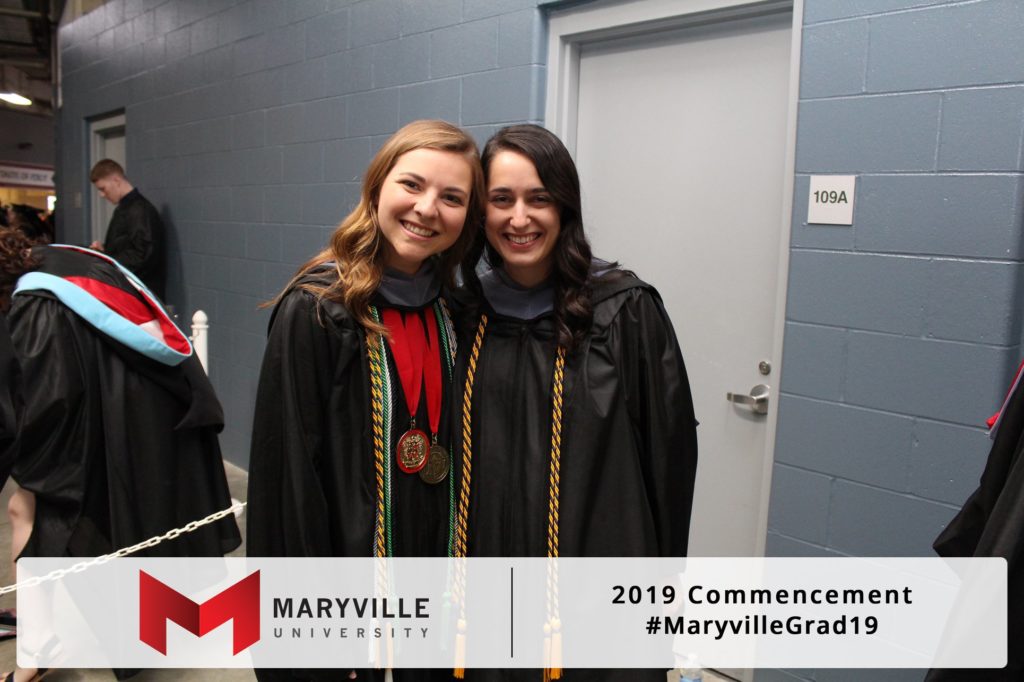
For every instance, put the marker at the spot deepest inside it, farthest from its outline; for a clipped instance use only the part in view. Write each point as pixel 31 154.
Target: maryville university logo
pixel 159 603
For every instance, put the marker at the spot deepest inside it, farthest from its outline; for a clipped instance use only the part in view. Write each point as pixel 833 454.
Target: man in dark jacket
pixel 135 236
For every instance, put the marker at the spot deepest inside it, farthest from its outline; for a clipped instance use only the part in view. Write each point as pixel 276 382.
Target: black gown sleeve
pixel 287 514
pixel 991 524
pixel 661 408
pixel 55 404
pixel 288 511
pixel 8 402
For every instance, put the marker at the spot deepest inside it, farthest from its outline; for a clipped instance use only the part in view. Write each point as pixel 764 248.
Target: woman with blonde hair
pixel 350 447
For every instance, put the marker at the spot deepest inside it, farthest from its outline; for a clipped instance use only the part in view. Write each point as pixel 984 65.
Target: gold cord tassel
pixel 556 649
pixel 460 650
pixel 553 650
pixel 547 652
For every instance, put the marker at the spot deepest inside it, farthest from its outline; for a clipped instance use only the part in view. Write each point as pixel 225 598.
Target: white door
pixel 682 141
pixel 106 142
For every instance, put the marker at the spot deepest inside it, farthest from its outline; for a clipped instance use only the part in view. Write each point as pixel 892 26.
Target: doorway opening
pixel 106 141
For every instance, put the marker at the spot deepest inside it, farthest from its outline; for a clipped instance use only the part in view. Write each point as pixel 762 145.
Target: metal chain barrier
pixel 145 544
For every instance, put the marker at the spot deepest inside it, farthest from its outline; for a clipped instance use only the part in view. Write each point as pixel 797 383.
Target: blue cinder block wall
pixel 249 125
pixel 903 331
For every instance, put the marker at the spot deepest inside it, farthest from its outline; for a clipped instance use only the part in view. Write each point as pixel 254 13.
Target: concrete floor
pixel 237 481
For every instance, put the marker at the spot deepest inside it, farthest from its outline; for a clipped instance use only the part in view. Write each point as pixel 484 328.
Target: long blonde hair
pixel 356 247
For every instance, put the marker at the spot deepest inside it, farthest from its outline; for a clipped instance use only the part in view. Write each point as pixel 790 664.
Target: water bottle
pixel 691 670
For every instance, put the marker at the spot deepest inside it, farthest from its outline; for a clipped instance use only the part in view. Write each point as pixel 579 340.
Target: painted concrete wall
pixel 250 123
pixel 903 331
pixel 17 129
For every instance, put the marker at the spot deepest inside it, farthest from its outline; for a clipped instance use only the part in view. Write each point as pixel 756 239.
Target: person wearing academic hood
pixel 117 421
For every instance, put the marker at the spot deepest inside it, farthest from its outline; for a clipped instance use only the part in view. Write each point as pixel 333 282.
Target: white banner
pixel 514 613
pixel 26 176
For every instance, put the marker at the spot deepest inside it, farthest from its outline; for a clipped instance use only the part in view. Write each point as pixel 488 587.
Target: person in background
pixel 135 237
pixel 29 220
pixel 117 431
pixel 358 315
pixel 579 398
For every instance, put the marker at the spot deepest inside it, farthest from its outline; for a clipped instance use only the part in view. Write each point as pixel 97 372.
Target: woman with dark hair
pixel 350 440
pixel 582 438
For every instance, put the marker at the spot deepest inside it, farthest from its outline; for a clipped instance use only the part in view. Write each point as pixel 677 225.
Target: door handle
pixel 757 401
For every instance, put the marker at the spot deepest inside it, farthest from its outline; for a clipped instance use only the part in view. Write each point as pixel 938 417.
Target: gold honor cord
pixel 381 417
pixel 553 626
pixel 378 397
pixel 462 519
pixel 377 370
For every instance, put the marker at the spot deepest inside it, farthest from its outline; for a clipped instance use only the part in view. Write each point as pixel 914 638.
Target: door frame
pixel 569 30
pixel 99 129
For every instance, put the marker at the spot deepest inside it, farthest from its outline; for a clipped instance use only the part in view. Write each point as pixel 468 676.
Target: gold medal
pixel 412 451
pixel 437 465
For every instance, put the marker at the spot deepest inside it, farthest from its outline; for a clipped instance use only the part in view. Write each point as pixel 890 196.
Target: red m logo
pixel 158 603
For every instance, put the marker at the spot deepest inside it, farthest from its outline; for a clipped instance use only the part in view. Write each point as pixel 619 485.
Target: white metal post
pixel 200 341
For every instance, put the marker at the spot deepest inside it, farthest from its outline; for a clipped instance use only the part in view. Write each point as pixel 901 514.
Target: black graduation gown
pixel 135 238
pixel 991 524
pixel 8 414
pixel 116 446
pixel 312 485
pixel 629 442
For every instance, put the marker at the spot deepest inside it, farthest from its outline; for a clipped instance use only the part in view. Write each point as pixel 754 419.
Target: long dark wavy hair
pixel 15 260
pixel 571 273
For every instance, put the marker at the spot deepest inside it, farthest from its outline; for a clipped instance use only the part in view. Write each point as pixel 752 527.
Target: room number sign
pixel 830 201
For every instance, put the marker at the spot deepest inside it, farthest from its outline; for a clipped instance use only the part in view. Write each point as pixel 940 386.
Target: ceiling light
pixel 15 98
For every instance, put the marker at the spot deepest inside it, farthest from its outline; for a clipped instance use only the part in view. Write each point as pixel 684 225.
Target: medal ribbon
pixel 417 357
pixel 432 373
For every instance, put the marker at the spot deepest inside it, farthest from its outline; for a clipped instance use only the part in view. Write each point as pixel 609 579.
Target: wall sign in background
pixel 830 200
pixel 14 175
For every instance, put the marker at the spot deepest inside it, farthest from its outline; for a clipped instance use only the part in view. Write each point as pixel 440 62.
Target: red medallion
pixel 412 450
